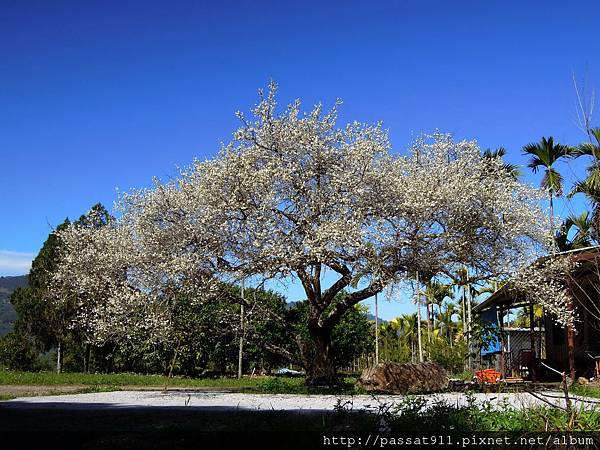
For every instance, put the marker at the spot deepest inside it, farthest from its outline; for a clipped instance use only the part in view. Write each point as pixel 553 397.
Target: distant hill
pixel 7 312
pixel 372 317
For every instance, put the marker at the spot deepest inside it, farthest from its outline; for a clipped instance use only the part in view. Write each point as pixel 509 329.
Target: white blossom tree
pixel 293 195
pixel 96 277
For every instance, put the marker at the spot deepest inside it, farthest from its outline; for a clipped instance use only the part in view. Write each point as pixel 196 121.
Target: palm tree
pixel 545 154
pixel 445 320
pixel 591 149
pixel 512 169
pixel 468 292
pixel 584 232
pixel 590 187
pixel 408 330
pixel 522 319
pixel 435 293
pixel 391 342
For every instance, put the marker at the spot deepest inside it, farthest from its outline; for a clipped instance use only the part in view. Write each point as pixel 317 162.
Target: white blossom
pixel 293 195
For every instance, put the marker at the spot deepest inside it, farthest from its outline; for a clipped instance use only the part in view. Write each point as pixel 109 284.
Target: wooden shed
pixel 575 352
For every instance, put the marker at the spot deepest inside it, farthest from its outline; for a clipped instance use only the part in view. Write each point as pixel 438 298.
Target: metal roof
pixel 503 297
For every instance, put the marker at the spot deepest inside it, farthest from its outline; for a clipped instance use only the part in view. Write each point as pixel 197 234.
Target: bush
pixel 17 353
pixel 452 358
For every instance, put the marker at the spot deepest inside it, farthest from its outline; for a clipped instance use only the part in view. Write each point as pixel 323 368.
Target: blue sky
pixel 96 96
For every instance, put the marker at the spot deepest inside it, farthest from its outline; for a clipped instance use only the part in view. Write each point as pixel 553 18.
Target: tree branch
pixel 307 284
pixel 349 301
pixel 336 287
pixel 283 353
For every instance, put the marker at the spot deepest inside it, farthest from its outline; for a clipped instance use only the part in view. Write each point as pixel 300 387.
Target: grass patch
pixel 278 385
pixel 119 379
pixel 6 397
pixel 110 379
pixel 414 414
pixel 464 376
pixel 585 391
pixel 115 381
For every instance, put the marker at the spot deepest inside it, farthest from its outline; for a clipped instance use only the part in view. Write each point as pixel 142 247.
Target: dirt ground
pixel 33 390
pixel 11 390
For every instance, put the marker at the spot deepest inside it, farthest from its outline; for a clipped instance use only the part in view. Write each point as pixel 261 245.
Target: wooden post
pixel 418 301
pixel 376 332
pixel 501 324
pixel 464 314
pixel 532 342
pixel 241 350
pixel 469 319
pixel 571 352
pixel 570 332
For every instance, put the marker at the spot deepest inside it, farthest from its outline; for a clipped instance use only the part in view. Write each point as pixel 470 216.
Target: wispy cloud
pixel 15 263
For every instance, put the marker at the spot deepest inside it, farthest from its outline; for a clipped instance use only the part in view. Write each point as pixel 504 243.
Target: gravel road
pixel 222 401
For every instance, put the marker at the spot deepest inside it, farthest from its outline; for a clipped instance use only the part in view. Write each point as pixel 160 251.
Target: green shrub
pixel 16 353
pixel 450 357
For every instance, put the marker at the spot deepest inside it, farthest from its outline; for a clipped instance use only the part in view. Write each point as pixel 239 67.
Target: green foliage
pixel 206 335
pixel 39 322
pixel 585 391
pixel 263 332
pixel 545 154
pixel 8 377
pixel 416 414
pixel 296 385
pixel 282 386
pixel 498 154
pixel 17 353
pixel 351 337
pixel 204 339
pixel 484 332
pixel 98 382
pixel 395 341
pixel 34 317
pixel 464 375
pixel 576 231
pixel 450 357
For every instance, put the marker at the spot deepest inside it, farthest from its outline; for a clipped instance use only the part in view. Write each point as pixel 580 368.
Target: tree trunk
pixel 469 326
pixel 464 314
pixel 428 325
pixel 320 369
pixel 86 359
pixel 241 346
pixel 418 301
pixel 58 358
pixel 570 332
pixel 552 217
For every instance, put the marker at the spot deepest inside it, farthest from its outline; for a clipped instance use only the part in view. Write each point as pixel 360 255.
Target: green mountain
pixel 7 312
